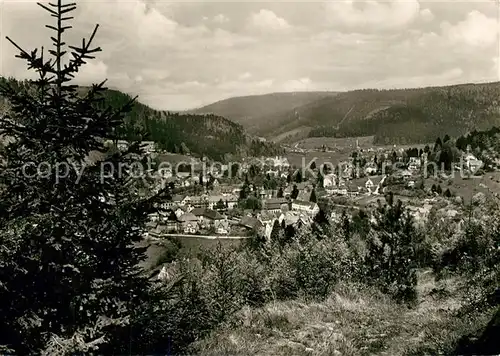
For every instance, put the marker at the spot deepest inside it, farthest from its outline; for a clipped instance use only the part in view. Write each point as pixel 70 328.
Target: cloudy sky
pixel 179 55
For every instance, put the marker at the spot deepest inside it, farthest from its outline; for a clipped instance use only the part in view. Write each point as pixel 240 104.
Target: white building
pixel 309 208
pixel 472 163
pixel 329 180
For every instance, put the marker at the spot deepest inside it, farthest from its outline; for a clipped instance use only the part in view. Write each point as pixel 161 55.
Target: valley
pixel 319 219
pixel 398 116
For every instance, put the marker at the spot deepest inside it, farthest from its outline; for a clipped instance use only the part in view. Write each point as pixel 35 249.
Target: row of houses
pixel 122 145
pixel 339 186
pixel 207 201
pixel 191 220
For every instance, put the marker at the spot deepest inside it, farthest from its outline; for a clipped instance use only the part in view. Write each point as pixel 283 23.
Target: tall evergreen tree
pixel 70 279
pixel 313 197
pixel 275 232
pixel 321 179
pixel 298 177
pixel 391 256
pixel 438 144
pixel 280 193
pixel 345 225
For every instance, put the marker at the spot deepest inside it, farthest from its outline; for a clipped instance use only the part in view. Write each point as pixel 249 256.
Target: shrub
pixel 391 261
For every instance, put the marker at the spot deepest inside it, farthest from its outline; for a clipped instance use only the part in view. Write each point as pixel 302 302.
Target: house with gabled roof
pixel 294 218
pixel 472 163
pixel 329 180
pixel 211 216
pixel 179 210
pixel 222 227
pixel 266 217
pixel 172 222
pixel 189 223
pixel 309 208
pixel 251 223
pixel 274 204
pixel 180 199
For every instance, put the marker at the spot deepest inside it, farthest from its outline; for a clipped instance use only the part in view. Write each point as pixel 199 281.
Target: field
pixel 347 143
pixel 489 184
pixel 174 158
pixel 296 159
pixel 335 143
pixel 290 135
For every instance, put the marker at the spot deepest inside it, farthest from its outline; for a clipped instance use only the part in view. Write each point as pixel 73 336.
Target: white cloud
pixel 92 72
pixel 265 83
pixel 298 84
pixel 451 76
pixel 476 30
pixel 171 54
pixel 266 20
pixel 223 38
pixel 244 76
pixel 426 15
pixel 373 15
pixel 221 18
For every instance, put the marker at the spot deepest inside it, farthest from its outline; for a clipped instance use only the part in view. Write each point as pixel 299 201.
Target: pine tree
pixel 295 192
pixel 320 224
pixel 70 275
pixel 280 193
pixel 313 198
pixel 438 145
pixel 345 225
pixel 298 177
pixel 391 256
pixel 321 179
pixel 220 206
pixel 275 232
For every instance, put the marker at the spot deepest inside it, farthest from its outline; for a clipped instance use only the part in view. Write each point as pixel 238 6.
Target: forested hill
pixel 209 135
pixel 409 116
pixel 392 116
pixel 256 113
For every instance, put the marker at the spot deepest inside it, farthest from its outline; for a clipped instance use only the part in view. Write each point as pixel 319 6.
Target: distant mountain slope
pixel 392 116
pixel 254 112
pixel 213 136
pixel 407 115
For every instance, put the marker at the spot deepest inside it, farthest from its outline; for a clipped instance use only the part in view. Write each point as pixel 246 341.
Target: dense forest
pixel 415 116
pixel 202 135
pixel 256 112
pixel 403 116
pixel 73 279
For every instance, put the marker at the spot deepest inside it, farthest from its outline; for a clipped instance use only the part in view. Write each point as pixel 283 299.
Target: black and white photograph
pixel 269 178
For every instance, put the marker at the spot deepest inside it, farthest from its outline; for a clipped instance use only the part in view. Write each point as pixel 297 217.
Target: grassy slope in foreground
pixel 352 322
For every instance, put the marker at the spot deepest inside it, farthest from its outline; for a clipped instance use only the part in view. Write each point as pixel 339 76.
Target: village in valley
pixel 261 194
